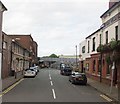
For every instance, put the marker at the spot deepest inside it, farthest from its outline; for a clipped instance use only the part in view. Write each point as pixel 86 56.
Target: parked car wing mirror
pixel 73 74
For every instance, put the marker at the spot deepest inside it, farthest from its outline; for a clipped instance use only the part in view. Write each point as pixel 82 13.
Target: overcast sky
pixel 56 25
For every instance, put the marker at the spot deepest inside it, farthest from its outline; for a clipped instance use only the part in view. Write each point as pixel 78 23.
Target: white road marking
pixel 51 83
pixel 54 96
pixel 50 77
pixel 106 98
pixel 49 73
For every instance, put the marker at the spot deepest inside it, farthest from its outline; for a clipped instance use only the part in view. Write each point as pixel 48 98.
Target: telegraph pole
pixel 76 56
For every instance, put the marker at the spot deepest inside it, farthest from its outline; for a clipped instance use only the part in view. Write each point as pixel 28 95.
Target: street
pixel 50 86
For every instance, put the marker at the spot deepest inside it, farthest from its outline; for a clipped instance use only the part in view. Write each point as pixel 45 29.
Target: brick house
pixel 15 57
pixel 6 55
pixel 28 43
pixel 2 9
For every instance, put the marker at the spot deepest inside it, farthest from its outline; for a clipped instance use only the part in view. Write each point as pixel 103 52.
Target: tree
pixel 53 56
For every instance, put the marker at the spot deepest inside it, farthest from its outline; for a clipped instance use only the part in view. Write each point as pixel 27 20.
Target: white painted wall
pixel 83 55
pixel 85 43
pixel 111 32
pixel 110 15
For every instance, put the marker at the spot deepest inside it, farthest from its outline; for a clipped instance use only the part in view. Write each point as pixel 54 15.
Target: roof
pixel 93 33
pixel 3 6
pixel 111 9
pixel 14 35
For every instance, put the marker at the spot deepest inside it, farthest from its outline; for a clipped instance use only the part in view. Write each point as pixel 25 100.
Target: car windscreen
pixel 29 69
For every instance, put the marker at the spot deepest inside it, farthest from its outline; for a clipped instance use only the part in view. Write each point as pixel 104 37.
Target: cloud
pixel 56 25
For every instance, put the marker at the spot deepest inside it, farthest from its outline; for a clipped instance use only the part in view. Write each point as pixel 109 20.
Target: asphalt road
pixel 50 86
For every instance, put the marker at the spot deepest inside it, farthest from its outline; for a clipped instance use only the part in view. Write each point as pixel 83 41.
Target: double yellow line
pixel 11 87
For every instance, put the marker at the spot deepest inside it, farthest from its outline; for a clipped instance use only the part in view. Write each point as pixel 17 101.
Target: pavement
pixel 105 89
pixel 11 80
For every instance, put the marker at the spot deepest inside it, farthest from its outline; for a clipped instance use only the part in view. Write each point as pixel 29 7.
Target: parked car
pixel 30 72
pixel 78 78
pixel 35 68
pixel 66 70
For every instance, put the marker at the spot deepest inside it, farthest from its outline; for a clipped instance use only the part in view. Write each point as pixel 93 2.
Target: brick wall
pixel 6 56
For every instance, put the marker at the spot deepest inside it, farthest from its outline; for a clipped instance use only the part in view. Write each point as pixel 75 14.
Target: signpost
pixel 113 68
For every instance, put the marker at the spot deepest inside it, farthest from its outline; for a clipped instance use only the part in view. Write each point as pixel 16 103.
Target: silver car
pixel 30 72
pixel 78 78
pixel 35 68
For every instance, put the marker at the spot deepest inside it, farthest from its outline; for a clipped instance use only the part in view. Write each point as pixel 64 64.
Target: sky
pixel 56 25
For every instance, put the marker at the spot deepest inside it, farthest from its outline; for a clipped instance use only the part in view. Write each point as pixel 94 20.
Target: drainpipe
pixel 102 26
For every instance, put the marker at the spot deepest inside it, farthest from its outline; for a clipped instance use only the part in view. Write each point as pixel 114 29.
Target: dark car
pixel 78 78
pixel 66 70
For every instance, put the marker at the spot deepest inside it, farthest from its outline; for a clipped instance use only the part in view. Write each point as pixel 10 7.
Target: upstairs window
pixel 4 45
pixel 88 46
pixel 93 44
pixel 100 39
pixel 116 33
pixel 83 49
pixel 106 37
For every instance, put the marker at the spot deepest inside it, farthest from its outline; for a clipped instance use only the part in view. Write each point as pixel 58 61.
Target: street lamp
pixel 76 56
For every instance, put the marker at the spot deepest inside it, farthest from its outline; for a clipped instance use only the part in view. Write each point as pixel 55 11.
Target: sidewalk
pixel 104 88
pixel 10 80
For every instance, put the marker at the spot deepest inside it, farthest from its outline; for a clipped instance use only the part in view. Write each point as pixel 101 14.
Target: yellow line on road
pixel 11 87
pixel 106 98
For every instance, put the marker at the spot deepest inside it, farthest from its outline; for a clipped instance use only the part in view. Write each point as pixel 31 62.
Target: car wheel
pixel 72 81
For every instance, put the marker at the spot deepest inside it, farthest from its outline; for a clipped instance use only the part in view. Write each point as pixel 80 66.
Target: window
pixel 87 66
pixel 88 46
pixel 83 49
pixel 108 69
pixel 4 45
pixel 116 33
pixel 100 39
pixel 94 64
pixel 106 37
pixel 93 44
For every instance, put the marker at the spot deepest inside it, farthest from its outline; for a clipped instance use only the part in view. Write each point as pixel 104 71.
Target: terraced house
pixel 19 52
pixel 97 54
pixel 2 9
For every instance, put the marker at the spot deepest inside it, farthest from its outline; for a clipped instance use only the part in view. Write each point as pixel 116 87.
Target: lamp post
pixel 76 56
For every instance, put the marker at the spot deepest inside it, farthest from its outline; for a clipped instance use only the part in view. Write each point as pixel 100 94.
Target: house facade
pixel 28 43
pixel 2 9
pixel 95 62
pixel 6 55
pixel 15 57
pixel 19 58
